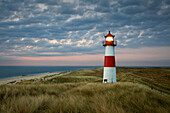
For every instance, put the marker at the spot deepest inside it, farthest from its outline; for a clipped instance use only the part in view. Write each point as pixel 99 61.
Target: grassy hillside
pixel 137 90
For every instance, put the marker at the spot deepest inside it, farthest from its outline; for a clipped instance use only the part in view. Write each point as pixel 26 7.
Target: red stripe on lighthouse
pixel 109 61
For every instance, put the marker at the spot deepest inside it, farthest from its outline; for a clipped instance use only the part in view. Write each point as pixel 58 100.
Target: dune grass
pixel 82 91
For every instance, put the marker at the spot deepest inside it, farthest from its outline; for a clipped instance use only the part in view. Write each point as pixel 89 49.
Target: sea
pixel 14 71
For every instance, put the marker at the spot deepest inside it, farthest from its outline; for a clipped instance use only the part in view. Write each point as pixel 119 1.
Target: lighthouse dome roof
pixel 109 35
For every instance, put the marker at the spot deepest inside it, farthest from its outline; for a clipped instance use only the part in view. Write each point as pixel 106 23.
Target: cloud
pixel 150 56
pixel 140 34
pixel 28 28
pixel 143 54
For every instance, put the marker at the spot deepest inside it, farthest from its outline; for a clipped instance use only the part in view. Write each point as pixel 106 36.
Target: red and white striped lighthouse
pixel 109 74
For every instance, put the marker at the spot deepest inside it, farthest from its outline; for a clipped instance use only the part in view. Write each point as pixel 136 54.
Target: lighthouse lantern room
pixel 109 74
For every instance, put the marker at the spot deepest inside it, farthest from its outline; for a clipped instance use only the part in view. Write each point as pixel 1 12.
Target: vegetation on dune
pixel 155 78
pixel 82 91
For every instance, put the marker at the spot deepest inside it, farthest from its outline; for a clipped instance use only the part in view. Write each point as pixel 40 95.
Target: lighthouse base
pixel 109 74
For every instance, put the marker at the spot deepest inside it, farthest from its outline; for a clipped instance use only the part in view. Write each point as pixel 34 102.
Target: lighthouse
pixel 109 74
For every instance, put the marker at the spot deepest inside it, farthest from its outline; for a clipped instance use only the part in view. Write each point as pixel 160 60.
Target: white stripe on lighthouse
pixel 109 74
pixel 109 51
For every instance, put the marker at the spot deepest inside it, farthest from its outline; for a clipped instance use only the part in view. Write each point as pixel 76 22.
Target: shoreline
pixel 26 77
pixel 46 76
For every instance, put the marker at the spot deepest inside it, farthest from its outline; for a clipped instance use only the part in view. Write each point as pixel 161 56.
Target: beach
pixel 13 80
pixel 13 74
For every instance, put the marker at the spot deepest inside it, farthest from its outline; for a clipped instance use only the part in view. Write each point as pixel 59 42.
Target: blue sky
pixel 70 32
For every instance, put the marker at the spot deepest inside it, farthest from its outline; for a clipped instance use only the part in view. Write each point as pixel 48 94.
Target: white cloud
pixel 41 7
pixel 71 1
pixel 50 53
pixel 68 42
pixel 28 47
pixel 16 46
pixel 53 41
pixel 140 34
pixel 123 44
pixel 149 36
pixel 163 9
pixel 128 40
pixel 7 41
pixel 36 40
pixel 11 20
pixel 22 39
pixel 73 17
pixel 11 27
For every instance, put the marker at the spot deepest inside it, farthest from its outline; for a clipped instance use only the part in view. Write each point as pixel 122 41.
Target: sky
pixel 70 32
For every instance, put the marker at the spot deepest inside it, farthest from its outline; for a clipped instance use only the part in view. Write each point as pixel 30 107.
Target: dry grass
pixel 82 91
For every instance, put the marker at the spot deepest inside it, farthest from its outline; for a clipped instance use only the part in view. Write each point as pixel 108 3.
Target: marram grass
pixel 82 91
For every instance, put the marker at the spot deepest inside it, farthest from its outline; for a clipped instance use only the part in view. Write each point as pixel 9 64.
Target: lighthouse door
pixel 105 80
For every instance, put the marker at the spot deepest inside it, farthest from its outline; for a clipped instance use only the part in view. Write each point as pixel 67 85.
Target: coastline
pixel 46 75
pixel 26 77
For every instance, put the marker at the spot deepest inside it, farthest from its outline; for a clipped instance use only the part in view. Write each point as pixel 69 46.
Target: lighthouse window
pixel 109 38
